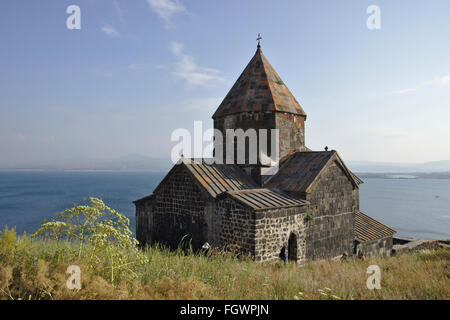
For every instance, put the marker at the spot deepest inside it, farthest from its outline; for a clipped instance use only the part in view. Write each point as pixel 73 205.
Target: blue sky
pixel 139 69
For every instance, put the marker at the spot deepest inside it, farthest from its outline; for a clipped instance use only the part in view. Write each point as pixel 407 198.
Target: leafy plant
pixel 99 232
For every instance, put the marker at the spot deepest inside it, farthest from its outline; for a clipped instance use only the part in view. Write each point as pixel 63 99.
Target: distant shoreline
pixel 404 175
pixel 363 175
pixel 84 170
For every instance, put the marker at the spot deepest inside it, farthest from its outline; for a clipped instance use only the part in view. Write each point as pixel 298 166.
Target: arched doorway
pixel 292 248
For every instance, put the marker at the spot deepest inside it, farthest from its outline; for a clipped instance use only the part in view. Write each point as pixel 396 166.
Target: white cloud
pixel 176 48
pixel 207 105
pixel 435 83
pixel 135 66
pixel 22 138
pixel 110 31
pixel 188 71
pixel 442 81
pixel 166 8
pixel 119 11
pixel 139 66
pixel 405 91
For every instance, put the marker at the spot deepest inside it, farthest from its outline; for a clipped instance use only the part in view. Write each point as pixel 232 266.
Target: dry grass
pixel 36 270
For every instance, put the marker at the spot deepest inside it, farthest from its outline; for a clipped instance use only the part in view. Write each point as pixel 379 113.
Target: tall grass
pixel 37 270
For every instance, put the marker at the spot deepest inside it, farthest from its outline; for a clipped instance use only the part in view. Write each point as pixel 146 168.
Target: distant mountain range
pixel 131 162
pixel 383 167
pixel 136 162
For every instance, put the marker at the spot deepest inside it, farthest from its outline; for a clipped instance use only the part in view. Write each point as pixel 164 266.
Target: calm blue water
pixel 417 208
pixel 28 197
pixel 414 207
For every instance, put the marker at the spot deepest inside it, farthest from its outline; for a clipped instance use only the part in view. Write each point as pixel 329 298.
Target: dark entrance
pixel 292 248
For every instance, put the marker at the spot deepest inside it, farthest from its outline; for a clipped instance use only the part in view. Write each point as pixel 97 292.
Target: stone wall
pixel 260 233
pixel 379 247
pixel 291 134
pixel 144 220
pixel 177 210
pixel 234 224
pixel 273 229
pixel 244 121
pixel 356 199
pixel 333 202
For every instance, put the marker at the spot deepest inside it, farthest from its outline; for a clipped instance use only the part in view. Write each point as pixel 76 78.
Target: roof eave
pixel 214 116
pixel 143 199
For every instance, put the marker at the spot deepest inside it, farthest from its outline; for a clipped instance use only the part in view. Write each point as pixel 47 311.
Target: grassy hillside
pixel 97 239
pixel 37 270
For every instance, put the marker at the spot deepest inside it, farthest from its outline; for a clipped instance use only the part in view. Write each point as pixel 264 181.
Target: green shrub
pixel 100 233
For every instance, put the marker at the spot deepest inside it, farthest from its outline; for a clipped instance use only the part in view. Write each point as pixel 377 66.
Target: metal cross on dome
pixel 259 39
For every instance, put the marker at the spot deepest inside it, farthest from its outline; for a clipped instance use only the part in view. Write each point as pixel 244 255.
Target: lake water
pixel 414 207
pixel 417 208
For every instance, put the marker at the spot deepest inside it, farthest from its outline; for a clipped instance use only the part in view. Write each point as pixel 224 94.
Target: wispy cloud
pixel 390 132
pixel 119 11
pixel 207 105
pixel 23 138
pixel 110 31
pixel 62 109
pixel 435 83
pixel 188 71
pixel 140 66
pixel 166 9
pixel 403 91
pixel 135 66
pixel 442 81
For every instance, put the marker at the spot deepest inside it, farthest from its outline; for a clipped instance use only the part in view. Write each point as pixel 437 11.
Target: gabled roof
pixel 301 169
pixel 259 88
pixel 367 228
pixel 214 178
pixel 263 199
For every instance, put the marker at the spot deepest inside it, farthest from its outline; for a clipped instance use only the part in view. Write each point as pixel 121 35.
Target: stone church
pixel 311 203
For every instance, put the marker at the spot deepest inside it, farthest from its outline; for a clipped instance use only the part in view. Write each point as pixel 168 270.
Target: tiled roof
pixel 367 228
pixel 262 199
pixel 218 178
pixel 259 88
pixel 298 172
